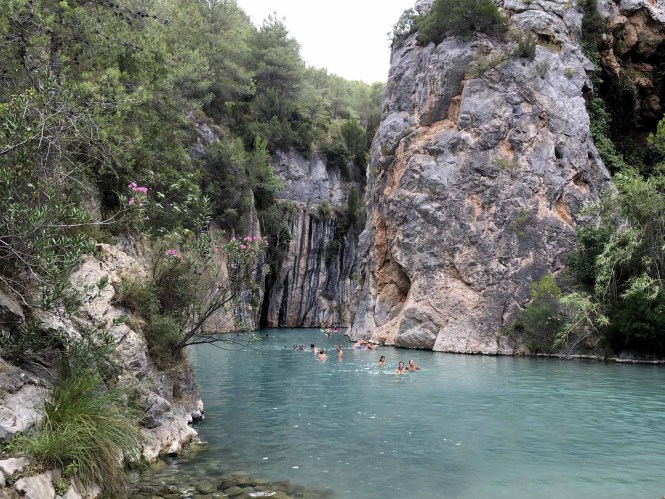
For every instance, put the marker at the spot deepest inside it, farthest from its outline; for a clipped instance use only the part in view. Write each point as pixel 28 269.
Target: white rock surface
pixel 10 466
pixel 36 487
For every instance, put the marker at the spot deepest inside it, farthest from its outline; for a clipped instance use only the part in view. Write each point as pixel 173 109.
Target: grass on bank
pixel 86 431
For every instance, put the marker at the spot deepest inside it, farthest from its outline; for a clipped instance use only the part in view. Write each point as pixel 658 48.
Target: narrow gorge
pixel 174 178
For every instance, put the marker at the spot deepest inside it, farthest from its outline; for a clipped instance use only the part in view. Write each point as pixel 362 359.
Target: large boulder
pixel 22 400
pixel 11 313
pixel 36 487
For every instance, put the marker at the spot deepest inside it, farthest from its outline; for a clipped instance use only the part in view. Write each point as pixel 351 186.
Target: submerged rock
pixel 206 488
pixel 235 480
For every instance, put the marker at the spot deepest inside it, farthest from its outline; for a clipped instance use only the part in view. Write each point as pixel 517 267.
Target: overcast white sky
pixel 349 37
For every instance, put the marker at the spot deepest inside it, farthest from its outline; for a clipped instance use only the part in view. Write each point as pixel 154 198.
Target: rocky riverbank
pixel 169 402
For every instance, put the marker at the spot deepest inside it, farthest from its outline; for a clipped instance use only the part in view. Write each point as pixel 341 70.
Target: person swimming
pixel 382 361
pixel 413 367
pixel 360 345
pixel 400 368
pixel 322 355
pixel 312 348
pixel 340 354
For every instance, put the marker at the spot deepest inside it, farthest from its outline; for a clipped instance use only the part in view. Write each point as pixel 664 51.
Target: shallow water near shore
pixel 463 427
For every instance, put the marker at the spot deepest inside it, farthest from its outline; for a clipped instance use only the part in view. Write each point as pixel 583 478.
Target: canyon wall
pixel 311 285
pixel 478 177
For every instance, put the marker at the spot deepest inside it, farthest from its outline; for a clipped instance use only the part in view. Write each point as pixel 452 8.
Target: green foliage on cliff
pixel 406 25
pixel 95 96
pixel 617 267
pixel 461 18
pixel 620 262
pixel 542 318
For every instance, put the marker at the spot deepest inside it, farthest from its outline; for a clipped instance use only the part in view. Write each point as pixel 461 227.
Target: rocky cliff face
pixel 170 402
pixel 311 285
pixel 478 176
pixel 633 51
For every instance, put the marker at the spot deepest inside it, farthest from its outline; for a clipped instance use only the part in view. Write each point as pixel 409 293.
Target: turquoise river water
pixel 463 427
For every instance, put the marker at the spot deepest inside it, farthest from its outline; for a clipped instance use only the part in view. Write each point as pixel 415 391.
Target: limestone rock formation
pixel 37 487
pixel 633 48
pixel 11 313
pixel 167 427
pixel 309 181
pixel 478 175
pixel 22 400
pixel 312 283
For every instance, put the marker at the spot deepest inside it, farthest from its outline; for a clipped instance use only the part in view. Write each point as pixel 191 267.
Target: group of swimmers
pixel 361 345
pixel 320 353
pixel 364 345
pixel 401 369
pixel 329 329
pixel 410 367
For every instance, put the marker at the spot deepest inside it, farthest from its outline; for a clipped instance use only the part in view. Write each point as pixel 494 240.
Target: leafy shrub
pixel 526 46
pixel 85 430
pixel 406 25
pixel 140 297
pixel 462 18
pixel 40 212
pixel 323 211
pixel 593 24
pixel 600 121
pixel 620 262
pixel 188 285
pixel 28 343
pixel 484 63
pixel 541 319
pixel 163 334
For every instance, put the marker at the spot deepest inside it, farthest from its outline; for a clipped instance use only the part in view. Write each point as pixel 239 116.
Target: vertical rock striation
pixel 478 175
pixel 311 285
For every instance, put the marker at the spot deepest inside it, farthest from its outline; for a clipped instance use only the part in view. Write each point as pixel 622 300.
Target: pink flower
pixel 131 185
pixel 242 246
pixel 172 252
pixel 131 201
pixel 216 249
